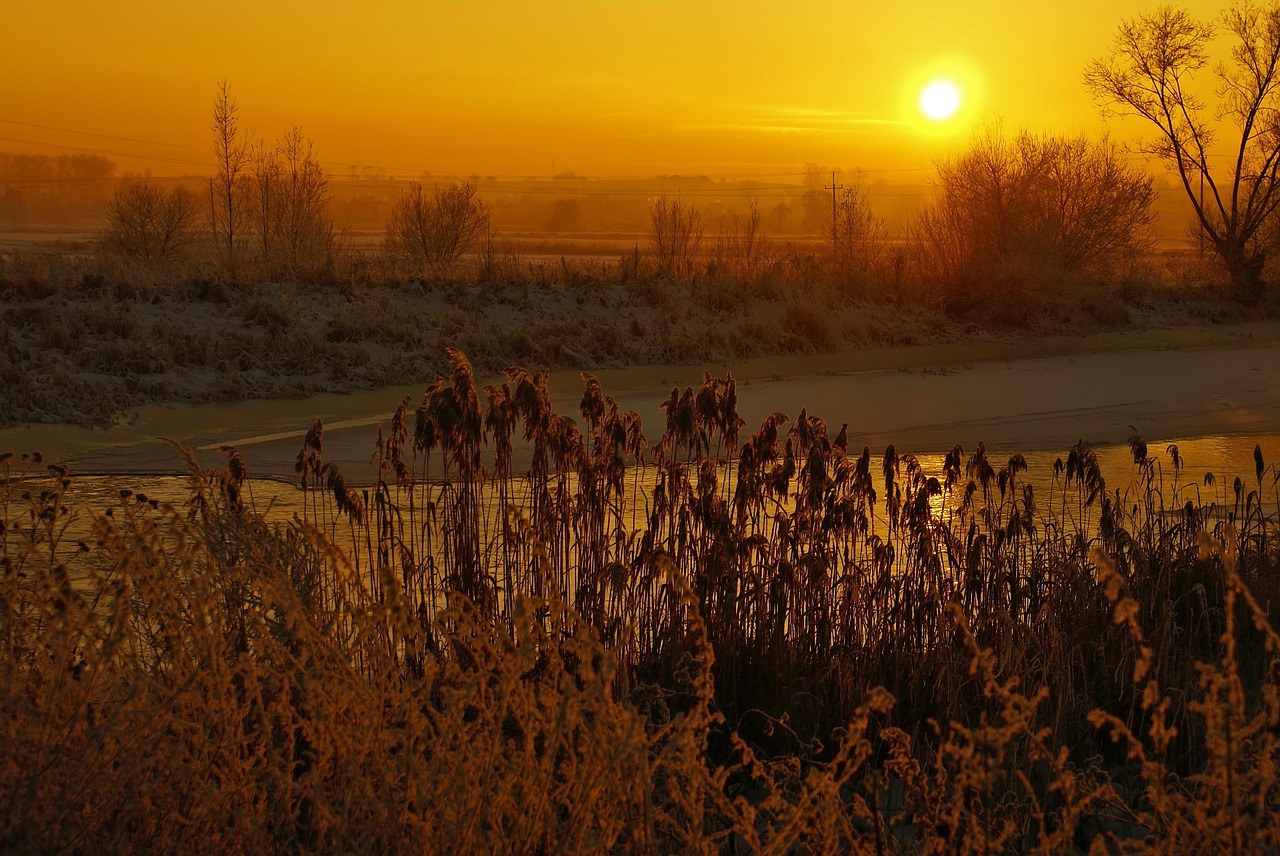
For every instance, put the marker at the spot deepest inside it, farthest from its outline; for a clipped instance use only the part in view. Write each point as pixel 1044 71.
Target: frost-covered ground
pixel 85 346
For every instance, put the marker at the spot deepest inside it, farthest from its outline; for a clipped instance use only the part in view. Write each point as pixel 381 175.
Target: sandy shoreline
pixel 1024 394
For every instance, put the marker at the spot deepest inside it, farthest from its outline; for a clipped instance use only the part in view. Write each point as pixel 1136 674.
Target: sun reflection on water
pixel 1224 457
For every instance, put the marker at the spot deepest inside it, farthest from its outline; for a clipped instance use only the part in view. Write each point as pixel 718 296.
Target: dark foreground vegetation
pixel 715 643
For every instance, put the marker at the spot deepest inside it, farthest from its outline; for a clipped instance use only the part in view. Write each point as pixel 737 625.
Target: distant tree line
pixel 53 189
pixel 45 171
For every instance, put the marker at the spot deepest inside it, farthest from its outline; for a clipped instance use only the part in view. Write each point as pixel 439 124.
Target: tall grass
pixel 536 634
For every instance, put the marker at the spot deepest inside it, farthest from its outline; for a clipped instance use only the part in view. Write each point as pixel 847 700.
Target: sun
pixel 940 100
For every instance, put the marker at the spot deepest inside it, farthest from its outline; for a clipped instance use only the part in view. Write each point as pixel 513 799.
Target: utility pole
pixel 213 213
pixel 1200 218
pixel 833 187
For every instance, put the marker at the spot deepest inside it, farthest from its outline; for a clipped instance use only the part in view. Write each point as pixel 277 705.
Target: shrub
pixel 149 226
pixel 675 234
pixel 857 241
pixel 1043 206
pixel 433 232
pixel 810 327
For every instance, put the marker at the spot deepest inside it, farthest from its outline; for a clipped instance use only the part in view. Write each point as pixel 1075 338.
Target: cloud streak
pixel 799 120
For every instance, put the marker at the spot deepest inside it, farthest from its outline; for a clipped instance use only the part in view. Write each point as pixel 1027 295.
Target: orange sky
pixel 516 88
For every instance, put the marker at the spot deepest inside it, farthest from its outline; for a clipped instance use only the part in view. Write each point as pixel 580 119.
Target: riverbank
pixel 1025 393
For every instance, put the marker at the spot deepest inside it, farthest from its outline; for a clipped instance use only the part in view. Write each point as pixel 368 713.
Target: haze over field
pixel 513 89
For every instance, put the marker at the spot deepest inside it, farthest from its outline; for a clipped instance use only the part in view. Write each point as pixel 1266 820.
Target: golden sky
pixel 515 88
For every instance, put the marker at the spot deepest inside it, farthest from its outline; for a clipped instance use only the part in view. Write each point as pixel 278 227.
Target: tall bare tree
pixel 738 251
pixel 227 209
pixel 303 229
pixel 265 165
pixel 1150 73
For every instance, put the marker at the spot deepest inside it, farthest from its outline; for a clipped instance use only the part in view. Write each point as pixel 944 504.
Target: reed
pixel 531 633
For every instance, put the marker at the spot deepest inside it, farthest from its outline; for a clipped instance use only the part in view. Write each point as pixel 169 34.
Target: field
pixel 769 643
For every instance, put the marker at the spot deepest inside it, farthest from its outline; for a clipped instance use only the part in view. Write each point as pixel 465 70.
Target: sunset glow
pixel 586 427
pixel 513 89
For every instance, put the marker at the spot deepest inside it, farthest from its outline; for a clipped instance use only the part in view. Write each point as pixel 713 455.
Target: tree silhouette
pixel 304 237
pixel 265 174
pixel 675 230
pixel 146 225
pixel 433 231
pixel 227 210
pixel 856 235
pixel 287 205
pixel 1150 73
pixel 1010 211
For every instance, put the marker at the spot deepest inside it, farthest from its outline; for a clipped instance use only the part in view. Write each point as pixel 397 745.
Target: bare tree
pixel 147 225
pixel 289 203
pixel 1091 208
pixel 1035 204
pixel 676 233
pixel 409 227
pixel 434 231
pixel 1150 74
pixel 857 235
pixel 266 178
pixel 227 211
pixel 739 249
pixel 303 230
pixel 781 212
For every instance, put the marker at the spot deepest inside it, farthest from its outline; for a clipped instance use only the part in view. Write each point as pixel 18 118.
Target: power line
pixel 104 152
pixel 344 166
pixel 776 191
pixel 339 167
pixel 54 184
pixel 103 136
